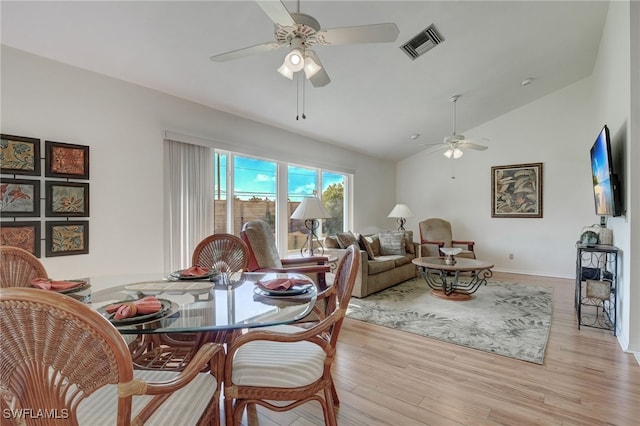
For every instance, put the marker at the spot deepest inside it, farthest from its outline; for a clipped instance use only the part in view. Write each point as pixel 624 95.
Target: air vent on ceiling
pixel 426 40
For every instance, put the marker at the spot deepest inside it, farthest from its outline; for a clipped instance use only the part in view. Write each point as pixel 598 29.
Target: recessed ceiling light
pixel 526 81
pixel 415 136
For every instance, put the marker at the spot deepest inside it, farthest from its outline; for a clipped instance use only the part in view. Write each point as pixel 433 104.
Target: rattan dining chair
pixel 224 252
pixel 286 366
pixel 65 359
pixel 18 267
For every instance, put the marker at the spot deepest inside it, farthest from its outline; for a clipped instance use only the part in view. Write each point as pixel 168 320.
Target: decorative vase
pixel 449 254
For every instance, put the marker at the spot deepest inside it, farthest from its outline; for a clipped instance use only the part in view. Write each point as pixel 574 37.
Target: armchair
pixel 79 368
pixel 436 233
pixel 264 257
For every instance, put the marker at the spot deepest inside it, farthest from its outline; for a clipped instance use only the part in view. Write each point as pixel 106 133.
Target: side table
pixel 596 286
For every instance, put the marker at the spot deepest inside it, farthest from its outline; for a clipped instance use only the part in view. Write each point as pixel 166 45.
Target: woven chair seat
pixel 101 407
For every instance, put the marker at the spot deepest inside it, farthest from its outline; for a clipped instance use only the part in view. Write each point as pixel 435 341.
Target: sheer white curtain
pixel 188 200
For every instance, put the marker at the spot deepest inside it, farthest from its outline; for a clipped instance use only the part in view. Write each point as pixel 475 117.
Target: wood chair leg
pixel 228 412
pixel 336 400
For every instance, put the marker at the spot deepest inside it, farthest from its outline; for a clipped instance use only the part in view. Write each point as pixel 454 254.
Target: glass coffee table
pixel 445 280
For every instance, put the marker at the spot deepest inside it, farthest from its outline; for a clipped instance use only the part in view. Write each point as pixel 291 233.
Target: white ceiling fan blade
pixel 467 144
pixel 246 51
pixel 375 33
pixel 435 147
pixel 277 12
pixel 320 78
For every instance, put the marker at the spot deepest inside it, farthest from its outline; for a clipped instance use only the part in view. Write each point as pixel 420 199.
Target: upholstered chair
pixel 264 257
pixel 285 366
pixel 18 267
pixel 61 356
pixel 436 233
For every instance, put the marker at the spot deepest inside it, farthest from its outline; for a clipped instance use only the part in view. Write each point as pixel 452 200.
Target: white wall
pixel 633 211
pixel 124 124
pixel 558 131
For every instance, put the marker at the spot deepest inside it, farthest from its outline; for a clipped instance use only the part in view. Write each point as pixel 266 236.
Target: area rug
pixel 507 319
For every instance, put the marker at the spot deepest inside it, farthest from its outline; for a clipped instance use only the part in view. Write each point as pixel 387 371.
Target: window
pixel 333 185
pixel 254 185
pixel 302 182
pixel 220 192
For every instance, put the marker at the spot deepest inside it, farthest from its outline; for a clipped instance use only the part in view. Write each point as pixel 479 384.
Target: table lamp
pixel 401 212
pixel 310 210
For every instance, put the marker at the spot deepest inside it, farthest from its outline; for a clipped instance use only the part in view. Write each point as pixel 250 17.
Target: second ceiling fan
pixel 455 143
pixel 300 32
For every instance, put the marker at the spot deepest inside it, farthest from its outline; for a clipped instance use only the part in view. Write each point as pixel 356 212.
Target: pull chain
pixel 297 97
pixel 304 97
pixel 298 83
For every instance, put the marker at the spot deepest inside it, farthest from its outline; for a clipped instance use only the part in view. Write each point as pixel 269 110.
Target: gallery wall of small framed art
pixel 63 190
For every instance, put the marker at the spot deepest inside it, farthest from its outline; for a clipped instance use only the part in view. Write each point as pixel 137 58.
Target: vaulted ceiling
pixel 378 97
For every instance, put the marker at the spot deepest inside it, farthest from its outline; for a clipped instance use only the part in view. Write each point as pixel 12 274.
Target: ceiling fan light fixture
pixel 454 153
pixel 294 60
pixel 311 64
pixel 285 71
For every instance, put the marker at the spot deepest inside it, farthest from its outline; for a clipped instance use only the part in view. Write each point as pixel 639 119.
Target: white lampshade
pixel 310 208
pixel 401 210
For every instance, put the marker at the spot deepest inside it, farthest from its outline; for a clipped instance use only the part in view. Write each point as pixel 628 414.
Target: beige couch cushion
pixel 381 264
pixel 407 258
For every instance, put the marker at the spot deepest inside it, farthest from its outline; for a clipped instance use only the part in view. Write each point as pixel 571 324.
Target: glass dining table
pixel 200 305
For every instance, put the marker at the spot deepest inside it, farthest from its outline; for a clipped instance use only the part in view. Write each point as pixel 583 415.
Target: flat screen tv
pixel 606 189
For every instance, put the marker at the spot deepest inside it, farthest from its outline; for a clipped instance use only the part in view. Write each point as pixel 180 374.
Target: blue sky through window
pixel 257 178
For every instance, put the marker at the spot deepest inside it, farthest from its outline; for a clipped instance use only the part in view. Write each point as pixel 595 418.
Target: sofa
pixel 385 258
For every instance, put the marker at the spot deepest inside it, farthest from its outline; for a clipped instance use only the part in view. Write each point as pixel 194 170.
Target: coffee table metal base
pixel 450 287
pixel 445 278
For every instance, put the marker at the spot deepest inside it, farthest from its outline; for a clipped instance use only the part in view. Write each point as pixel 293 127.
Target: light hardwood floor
pixel 389 377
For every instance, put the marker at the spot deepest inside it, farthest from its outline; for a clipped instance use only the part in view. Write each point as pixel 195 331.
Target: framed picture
pixel 66 160
pixel 19 198
pixel 70 199
pixel 516 190
pixel 19 155
pixel 66 238
pixel 25 235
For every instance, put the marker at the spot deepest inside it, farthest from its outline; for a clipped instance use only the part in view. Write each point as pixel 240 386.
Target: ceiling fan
pixel 299 32
pixel 455 143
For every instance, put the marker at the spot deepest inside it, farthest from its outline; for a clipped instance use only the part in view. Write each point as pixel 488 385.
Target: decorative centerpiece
pixel 449 253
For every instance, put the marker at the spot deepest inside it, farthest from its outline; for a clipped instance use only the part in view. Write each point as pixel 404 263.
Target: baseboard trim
pixel 537 274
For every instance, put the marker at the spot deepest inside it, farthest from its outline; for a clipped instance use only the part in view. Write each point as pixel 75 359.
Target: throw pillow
pixel 408 241
pixel 392 243
pixel 345 239
pixel 367 244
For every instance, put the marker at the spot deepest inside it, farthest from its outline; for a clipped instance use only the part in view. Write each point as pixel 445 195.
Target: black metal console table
pixel 596 286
